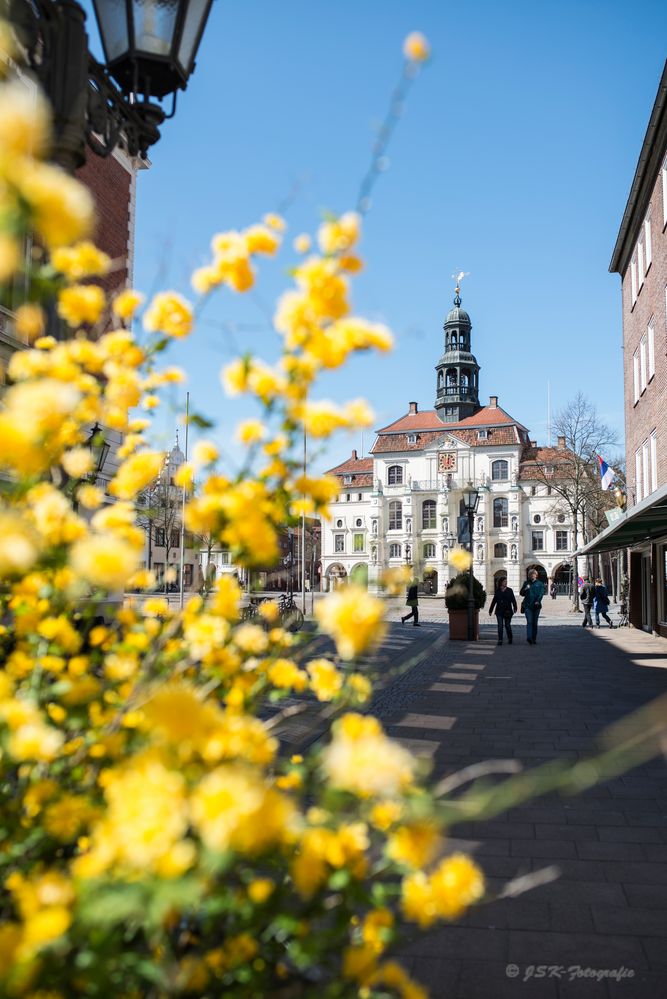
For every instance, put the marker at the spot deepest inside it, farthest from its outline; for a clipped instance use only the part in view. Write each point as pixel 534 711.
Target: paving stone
pixel 490 980
pixel 565 831
pixel 585 949
pixel 552 849
pixel 630 834
pixel 610 851
pixel 648 896
pixel 632 919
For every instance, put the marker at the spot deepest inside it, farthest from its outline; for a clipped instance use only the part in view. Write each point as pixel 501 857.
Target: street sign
pixel 580 581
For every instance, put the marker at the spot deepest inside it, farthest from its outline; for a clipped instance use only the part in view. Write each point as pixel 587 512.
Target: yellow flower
pixel 261 239
pixel 251 638
pixel 44 927
pixel 81 303
pixel 339 235
pixel 250 432
pixel 416 47
pixel 260 889
pixel 136 472
pixel 18 545
pixel 80 261
pixel 25 121
pixel 375 929
pixel 169 313
pixel 184 475
pixel 205 452
pixel 204 279
pixel 63 208
pixel 360 686
pixel 460 559
pixel 90 497
pixel 414 844
pixel 353 618
pixel 274 221
pixel 457 883
pixel 358 413
pixel 104 560
pixel 35 741
pixel 325 679
pixel 302 243
pixel 10 257
pixel 361 759
pixel 286 674
pixel 232 808
pixel 234 377
pixel 126 303
pixel 77 462
pixel 29 321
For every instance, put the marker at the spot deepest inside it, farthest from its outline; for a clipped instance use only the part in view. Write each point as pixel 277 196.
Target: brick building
pixel 640 257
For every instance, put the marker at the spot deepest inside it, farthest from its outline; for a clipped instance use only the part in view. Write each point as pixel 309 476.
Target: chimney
pixel 561 441
pixel 533 443
pixel 354 454
pixel 493 402
pixel 413 407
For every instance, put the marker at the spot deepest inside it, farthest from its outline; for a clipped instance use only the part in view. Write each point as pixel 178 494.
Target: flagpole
pixel 183 497
pixel 303 534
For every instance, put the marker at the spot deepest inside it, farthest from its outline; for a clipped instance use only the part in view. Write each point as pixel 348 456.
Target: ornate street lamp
pixel 470 501
pixel 150 48
pixel 100 449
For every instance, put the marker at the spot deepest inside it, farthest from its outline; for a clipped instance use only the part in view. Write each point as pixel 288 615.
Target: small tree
pixel 571 472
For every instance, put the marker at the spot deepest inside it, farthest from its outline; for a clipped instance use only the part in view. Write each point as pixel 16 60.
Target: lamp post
pixel 470 501
pixel 149 47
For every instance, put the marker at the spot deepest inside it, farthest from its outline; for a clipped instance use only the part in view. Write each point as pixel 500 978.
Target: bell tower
pixel 457 371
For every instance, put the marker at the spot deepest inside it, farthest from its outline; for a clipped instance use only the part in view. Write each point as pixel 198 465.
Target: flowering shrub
pixel 154 840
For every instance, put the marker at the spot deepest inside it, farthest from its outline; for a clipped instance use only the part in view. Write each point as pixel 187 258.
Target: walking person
pixel 412 600
pixel 552 591
pixel 504 602
pixel 587 594
pixel 532 592
pixel 601 603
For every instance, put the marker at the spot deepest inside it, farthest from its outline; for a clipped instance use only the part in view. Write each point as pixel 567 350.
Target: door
pixel 647 622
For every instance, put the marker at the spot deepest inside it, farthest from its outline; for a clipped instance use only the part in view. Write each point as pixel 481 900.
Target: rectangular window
pixel 635 375
pixel 158 569
pixel 359 497
pixel 633 280
pixel 561 541
pixel 339 543
pixel 159 537
pixel 538 541
pixel 653 444
pixel 394 551
pixel 638 475
pixel 175 538
pixel 225 558
pixel 647 240
pixel 640 264
pixel 358 542
pixel 187 576
pixel 646 478
pixel 642 363
pixel 651 350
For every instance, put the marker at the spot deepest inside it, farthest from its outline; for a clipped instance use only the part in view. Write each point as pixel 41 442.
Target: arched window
pixel 453 341
pixel 394 475
pixel 429 551
pixel 396 515
pixel 394 551
pixel 441 379
pixel 428 514
pixel 500 551
pixel 500 512
pixel 500 470
pixel 465 378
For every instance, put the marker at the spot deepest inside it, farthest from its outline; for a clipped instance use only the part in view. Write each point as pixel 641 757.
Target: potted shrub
pixel 456 600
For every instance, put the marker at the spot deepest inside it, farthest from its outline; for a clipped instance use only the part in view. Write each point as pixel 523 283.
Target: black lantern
pixel 150 45
pixel 470 501
pixel 470 498
pixel 100 449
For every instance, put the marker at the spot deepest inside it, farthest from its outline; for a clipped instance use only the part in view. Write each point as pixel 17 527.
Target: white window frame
pixel 428 548
pixel 412 438
pixel 482 435
pixel 392 547
pixel 339 539
pixel 650 340
pixel 501 477
pixel 347 480
pixel 635 374
pixel 399 471
pixel 646 460
pixel 647 240
pixel 397 514
pixel 638 474
pixel 640 264
pixel 633 280
pixel 566 547
pixel 653 446
pixel 642 363
pixel 533 536
pixel 358 534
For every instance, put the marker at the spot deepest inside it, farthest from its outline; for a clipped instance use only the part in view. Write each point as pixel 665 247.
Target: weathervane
pixel 458 277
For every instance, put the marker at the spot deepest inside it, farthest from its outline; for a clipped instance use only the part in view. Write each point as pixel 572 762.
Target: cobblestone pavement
pixel 607 912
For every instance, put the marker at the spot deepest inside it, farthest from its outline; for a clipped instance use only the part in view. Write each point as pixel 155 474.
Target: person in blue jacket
pixel 532 591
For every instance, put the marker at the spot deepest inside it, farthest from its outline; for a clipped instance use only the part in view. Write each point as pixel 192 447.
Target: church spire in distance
pixel 457 371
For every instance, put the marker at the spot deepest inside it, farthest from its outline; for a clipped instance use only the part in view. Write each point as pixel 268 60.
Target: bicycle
pixel 291 618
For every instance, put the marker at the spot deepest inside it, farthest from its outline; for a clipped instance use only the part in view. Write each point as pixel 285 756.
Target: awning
pixel 647 521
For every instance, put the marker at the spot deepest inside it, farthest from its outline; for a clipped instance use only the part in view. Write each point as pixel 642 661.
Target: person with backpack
pixel 532 592
pixel 504 602
pixel 412 600
pixel 601 603
pixel 587 594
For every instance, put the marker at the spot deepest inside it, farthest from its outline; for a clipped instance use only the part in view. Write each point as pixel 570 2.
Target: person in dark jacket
pixel 601 603
pixel 587 594
pixel 412 600
pixel 532 591
pixel 504 602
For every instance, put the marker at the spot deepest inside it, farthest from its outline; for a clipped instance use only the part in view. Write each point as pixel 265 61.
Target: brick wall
pixel 111 183
pixel 648 414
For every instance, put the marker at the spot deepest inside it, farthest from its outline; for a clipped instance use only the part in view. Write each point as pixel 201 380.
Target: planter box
pixel 458 625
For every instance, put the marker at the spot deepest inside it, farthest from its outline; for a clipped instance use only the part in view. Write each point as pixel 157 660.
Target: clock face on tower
pixel 446 461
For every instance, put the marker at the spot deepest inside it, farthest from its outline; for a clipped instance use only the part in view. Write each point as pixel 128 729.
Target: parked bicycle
pixel 290 616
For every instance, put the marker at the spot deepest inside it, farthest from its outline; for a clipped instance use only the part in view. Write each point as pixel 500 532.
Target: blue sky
pixel 513 161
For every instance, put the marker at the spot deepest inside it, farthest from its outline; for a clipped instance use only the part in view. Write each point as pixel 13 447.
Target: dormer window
pixel 482 435
pixel 412 438
pixel 347 480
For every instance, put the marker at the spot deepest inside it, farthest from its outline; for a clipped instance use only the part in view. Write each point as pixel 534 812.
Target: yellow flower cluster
pixel 361 759
pixel 232 256
pixel 446 893
pixel 353 618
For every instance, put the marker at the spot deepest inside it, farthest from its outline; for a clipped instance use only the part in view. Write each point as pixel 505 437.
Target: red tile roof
pixel 428 420
pixel 487 416
pixel 361 470
pixel 428 427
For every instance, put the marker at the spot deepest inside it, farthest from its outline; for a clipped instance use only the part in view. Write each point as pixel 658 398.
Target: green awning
pixel 647 521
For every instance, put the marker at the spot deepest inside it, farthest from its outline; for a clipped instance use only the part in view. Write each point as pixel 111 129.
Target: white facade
pixel 407 513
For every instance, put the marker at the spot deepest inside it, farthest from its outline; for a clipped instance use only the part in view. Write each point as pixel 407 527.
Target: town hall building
pixel 401 505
